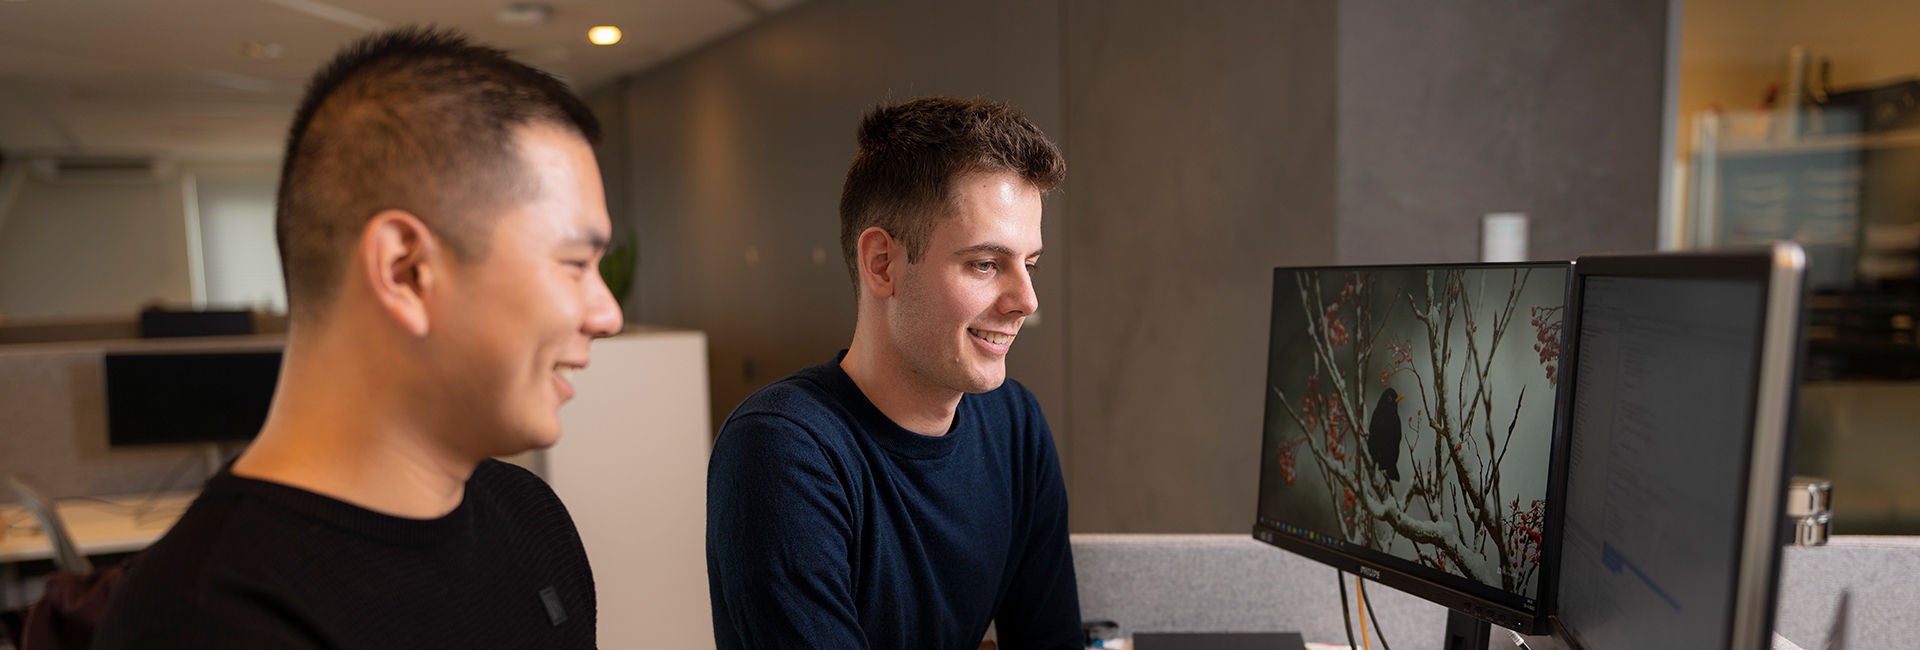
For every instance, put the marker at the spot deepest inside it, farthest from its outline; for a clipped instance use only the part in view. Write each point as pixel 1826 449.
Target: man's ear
pixel 880 261
pixel 398 253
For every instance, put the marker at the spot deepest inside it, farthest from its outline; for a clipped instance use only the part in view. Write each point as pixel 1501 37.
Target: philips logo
pixel 1370 572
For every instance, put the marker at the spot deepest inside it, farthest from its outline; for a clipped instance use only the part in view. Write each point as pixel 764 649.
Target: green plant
pixel 617 267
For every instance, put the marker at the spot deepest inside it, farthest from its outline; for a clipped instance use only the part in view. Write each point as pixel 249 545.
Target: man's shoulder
pixel 225 547
pixel 500 479
pixel 801 401
pixel 507 496
pixel 799 421
pixel 222 521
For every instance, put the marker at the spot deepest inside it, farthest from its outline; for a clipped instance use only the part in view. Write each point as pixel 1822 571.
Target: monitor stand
pixel 1466 632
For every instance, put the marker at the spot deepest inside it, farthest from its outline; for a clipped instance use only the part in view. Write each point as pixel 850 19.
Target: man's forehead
pixel 1012 232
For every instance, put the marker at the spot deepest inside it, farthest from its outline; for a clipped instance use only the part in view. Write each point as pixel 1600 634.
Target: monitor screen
pixel 1409 427
pixel 1682 371
pixel 175 397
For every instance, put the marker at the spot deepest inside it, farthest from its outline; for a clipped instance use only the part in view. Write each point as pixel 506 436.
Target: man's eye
pixel 1031 267
pixel 984 266
pixel 578 264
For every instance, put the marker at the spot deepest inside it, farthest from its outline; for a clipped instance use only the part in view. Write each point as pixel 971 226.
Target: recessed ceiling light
pixel 604 35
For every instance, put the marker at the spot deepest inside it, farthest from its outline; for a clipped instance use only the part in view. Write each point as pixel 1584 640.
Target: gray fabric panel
pixel 1231 583
pixel 1883 576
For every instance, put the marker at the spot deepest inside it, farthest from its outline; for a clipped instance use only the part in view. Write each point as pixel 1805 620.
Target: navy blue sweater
pixel 828 526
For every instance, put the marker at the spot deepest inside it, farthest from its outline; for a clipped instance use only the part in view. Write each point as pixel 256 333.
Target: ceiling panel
pixel 170 78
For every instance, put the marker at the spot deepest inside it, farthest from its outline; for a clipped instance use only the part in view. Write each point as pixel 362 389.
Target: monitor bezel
pixel 1467 596
pixel 1782 267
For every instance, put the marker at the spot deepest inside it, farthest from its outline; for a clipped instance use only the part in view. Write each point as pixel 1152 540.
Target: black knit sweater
pixel 255 564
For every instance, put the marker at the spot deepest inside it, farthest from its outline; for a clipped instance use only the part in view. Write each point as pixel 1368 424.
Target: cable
pixel 1378 632
pixel 19 520
pixel 1364 643
pixel 148 509
pixel 1346 614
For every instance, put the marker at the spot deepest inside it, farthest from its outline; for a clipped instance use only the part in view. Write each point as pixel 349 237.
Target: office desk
pixel 98 527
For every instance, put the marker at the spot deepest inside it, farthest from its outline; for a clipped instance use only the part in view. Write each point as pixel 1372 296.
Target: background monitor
pixel 160 323
pixel 176 397
pixel 1682 377
pixel 1410 425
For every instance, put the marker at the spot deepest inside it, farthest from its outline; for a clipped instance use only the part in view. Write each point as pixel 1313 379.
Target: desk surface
pixel 117 524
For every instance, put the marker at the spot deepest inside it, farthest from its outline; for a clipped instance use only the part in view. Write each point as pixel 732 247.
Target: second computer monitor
pixel 1682 385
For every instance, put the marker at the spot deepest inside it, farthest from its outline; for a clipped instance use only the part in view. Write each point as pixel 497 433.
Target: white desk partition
pixel 631 466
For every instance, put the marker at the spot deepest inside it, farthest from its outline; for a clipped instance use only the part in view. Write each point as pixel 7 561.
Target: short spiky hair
pixel 414 119
pixel 910 154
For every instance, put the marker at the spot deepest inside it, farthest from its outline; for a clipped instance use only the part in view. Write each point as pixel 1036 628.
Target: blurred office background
pixel 1207 142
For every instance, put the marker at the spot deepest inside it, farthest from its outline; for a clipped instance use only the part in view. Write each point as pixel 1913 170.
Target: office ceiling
pixel 218 79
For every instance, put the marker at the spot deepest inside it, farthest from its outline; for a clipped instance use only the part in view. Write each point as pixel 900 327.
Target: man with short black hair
pixel 906 494
pixel 440 222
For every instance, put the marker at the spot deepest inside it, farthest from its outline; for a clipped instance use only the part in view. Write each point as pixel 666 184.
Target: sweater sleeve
pixel 779 538
pixel 232 614
pixel 1041 609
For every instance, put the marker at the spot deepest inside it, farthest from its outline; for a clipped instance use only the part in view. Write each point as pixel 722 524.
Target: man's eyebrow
pixel 994 248
pixel 592 238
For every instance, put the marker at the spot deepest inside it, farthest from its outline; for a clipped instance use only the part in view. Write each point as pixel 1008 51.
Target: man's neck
pixel 338 432
pixel 900 394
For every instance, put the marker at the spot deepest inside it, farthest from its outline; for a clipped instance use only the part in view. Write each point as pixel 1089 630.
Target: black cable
pixel 19 519
pixel 1346 611
pixel 1378 632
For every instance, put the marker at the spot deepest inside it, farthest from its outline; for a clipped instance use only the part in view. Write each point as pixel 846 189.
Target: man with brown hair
pixel 906 494
pixel 440 220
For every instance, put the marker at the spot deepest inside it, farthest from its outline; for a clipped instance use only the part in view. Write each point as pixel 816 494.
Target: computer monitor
pixel 161 323
pixel 182 397
pixel 1682 380
pixel 1410 422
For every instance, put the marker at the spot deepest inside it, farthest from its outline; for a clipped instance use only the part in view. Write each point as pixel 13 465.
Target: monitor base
pixel 1466 632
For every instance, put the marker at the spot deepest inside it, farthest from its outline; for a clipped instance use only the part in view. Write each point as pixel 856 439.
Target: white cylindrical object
pixel 1503 237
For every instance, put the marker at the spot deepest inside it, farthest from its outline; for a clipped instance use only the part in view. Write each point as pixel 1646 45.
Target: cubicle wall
pixel 1231 583
pixel 631 466
pixel 53 420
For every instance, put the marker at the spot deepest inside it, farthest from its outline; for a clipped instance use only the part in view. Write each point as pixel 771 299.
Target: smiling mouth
pixel 995 338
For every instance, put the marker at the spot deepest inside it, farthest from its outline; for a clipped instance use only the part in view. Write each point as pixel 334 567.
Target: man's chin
pixel 526 440
pixel 986 382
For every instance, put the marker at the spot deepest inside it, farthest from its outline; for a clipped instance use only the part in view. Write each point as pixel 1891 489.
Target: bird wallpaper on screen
pixel 1410 413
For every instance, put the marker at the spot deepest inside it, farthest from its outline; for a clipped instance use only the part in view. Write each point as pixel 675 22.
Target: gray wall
pixel 1452 110
pixel 91 249
pixel 1202 155
pixel 737 155
pixel 1206 143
